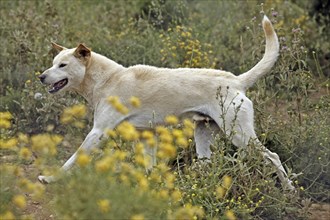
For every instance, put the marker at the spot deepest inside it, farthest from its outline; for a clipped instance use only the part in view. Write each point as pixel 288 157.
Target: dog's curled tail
pixel 250 77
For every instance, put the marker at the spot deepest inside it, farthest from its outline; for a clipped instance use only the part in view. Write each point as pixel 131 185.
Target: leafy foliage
pixel 291 106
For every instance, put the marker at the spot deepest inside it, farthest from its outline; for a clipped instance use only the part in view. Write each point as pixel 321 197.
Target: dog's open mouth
pixel 58 85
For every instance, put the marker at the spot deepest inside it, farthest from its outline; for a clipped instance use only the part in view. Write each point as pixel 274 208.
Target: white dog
pixel 182 92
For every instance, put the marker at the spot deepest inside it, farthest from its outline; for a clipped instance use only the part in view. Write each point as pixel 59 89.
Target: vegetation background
pixel 291 105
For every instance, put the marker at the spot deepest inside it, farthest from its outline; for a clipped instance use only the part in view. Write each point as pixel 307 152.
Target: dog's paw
pixel 290 187
pixel 46 179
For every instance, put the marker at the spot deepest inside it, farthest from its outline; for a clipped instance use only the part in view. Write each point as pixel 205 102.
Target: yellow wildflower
pixel 117 105
pixel 182 142
pixel 161 129
pixel 151 142
pixel 166 137
pixel 227 180
pixel 104 205
pixel 139 148
pixel 120 155
pixel 172 120
pixel 23 138
pixel 189 212
pixel 230 215
pixel 38 190
pixel 137 217
pixel 25 153
pixel 111 133
pixel 169 180
pixel 8 144
pixel 5 116
pixel 147 134
pixel 124 179
pixel 135 102
pixel 83 159
pixel 45 143
pixel 177 133
pixel 155 177
pixel 166 150
pixel 176 195
pixel 140 160
pixel 163 193
pixel 4 123
pixel 188 128
pixel 220 192
pixel 72 113
pixel 143 184
pixel 19 201
pixel 128 131
pixel 104 164
pixel 188 123
pixel 7 215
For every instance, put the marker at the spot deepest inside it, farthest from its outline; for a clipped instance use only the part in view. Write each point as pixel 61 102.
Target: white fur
pixel 183 92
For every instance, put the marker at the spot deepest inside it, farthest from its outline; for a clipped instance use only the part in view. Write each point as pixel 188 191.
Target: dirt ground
pixel 41 211
pixel 319 212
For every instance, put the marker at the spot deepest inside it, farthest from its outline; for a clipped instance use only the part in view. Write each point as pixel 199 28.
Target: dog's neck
pixel 99 70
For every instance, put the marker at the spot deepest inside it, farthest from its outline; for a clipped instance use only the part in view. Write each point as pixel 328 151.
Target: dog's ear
pixel 82 52
pixel 58 47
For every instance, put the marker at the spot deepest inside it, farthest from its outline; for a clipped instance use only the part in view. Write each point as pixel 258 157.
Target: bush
pixel 291 105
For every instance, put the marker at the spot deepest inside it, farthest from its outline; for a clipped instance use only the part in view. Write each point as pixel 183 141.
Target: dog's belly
pixel 151 119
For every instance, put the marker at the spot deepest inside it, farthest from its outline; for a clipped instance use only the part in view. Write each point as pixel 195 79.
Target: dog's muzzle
pixel 55 87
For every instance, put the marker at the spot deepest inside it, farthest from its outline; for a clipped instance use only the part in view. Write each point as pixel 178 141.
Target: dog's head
pixel 68 70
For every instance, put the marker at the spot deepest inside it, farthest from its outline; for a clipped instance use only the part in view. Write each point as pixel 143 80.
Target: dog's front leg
pixel 91 141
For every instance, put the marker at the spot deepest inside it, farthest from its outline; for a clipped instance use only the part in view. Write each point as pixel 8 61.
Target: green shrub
pixel 291 104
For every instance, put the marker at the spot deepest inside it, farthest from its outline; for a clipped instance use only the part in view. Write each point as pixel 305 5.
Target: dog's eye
pixel 62 65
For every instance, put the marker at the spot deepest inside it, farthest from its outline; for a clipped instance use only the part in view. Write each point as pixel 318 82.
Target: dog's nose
pixel 42 78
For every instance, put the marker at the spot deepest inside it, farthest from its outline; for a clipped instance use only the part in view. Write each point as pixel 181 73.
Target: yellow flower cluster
pixel 226 184
pixel 45 143
pixel 230 215
pixel 83 159
pixel 128 131
pixel 117 105
pixel 7 215
pixel 149 138
pixel 73 115
pixel 185 51
pixel 19 201
pixel 104 205
pixel 10 143
pixel 135 102
pixel 5 118
pixel 115 102
pixel 171 120
pixel 189 212
pixel 36 189
pixel 25 153
pixel 108 162
pixel 137 217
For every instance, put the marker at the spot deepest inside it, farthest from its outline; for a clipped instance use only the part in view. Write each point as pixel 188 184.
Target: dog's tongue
pixel 57 86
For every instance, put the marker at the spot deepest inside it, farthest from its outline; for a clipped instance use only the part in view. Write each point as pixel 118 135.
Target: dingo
pixel 182 92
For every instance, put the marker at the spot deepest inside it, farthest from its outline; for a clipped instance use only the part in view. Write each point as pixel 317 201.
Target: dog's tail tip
pixel 267 26
pixel 265 19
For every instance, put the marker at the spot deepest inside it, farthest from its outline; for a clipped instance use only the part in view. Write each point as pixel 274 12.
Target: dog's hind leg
pixel 204 136
pixel 239 126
